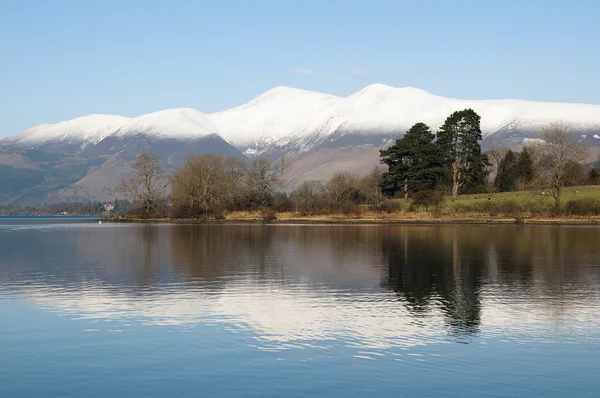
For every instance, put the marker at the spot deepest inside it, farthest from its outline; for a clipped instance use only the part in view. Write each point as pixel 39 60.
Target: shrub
pixel 508 208
pixel 386 207
pixel 350 209
pixel 428 200
pixel 268 214
pixel 583 207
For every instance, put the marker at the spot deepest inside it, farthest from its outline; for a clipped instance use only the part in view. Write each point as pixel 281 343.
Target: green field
pixel 523 201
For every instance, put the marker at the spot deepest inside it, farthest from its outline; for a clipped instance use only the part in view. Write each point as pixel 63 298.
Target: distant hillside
pixel 84 158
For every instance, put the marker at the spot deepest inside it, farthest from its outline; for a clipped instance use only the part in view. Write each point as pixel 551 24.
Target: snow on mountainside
pixel 288 119
pixel 183 123
pixel 322 133
pixel 180 124
pixel 285 116
pixel 86 129
pixel 282 113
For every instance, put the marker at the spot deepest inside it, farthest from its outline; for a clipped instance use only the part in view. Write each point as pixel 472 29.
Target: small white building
pixel 109 206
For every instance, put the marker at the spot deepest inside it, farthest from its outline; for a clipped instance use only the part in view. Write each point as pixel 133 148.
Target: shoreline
pixel 377 219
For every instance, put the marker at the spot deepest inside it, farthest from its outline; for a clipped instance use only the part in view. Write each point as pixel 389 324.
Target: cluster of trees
pixel 206 186
pixel 451 161
pixel 421 165
pixel 514 170
pixel 424 161
pixel 549 164
pixel 342 193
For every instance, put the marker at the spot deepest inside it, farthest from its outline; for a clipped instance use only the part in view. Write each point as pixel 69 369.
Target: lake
pixel 138 310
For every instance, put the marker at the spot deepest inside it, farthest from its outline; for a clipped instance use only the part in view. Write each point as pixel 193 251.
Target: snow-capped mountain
pixel 180 124
pixel 85 158
pixel 321 133
pixel 275 118
pixel 183 123
pixel 83 130
pixel 297 120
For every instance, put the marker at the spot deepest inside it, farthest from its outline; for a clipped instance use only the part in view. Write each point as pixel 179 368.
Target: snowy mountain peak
pixel 278 113
pixel 296 119
pixel 289 94
pixel 381 91
pixel 377 87
pixel 172 123
pixel 90 128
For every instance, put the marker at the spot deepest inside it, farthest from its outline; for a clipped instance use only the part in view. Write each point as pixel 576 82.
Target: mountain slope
pixel 182 123
pixel 275 118
pixel 321 133
pixel 84 159
pixel 298 121
pixel 71 134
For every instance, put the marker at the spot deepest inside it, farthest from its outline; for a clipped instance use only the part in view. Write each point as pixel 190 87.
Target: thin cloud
pixel 304 71
pixel 359 71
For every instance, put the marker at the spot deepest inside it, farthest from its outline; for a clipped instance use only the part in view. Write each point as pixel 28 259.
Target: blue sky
pixel 66 58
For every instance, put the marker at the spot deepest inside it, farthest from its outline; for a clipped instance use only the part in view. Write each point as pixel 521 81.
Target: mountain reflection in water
pixel 361 286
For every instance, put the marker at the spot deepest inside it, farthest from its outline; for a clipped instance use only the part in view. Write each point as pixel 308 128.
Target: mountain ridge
pixel 284 114
pixel 322 133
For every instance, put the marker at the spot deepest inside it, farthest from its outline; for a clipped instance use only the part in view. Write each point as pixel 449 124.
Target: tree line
pixel 451 161
pixel 422 165
pixel 208 186
pixel 548 164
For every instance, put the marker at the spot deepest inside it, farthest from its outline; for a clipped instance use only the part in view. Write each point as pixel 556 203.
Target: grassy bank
pixel 375 217
pixel 581 205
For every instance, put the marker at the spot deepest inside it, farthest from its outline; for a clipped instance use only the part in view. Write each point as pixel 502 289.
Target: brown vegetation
pixel 210 187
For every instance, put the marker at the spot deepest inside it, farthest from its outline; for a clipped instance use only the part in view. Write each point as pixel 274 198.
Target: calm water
pixel 90 310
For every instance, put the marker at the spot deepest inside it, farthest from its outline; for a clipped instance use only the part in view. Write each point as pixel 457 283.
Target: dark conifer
pixel 524 166
pixel 459 141
pixel 507 173
pixel 414 161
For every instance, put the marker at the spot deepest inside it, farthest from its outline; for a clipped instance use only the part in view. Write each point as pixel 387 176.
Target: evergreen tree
pixel 524 166
pixel 507 173
pixel 414 162
pixel 594 176
pixel 458 140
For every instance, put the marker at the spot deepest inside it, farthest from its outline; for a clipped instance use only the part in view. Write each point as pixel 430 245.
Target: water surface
pixel 131 310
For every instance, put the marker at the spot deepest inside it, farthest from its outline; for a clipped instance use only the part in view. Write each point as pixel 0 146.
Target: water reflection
pixel 438 267
pixel 372 287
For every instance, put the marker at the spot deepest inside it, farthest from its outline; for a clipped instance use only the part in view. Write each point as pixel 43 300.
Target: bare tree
pixel 284 164
pixel 148 183
pixel 495 155
pixel 558 155
pixel 369 185
pixel 341 188
pixel 308 196
pixel 200 185
pixel 263 178
pixel 234 170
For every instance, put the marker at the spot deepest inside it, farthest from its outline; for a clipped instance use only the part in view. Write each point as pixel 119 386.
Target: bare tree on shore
pixel 264 177
pixel 148 183
pixel 341 188
pixel 309 196
pixel 558 155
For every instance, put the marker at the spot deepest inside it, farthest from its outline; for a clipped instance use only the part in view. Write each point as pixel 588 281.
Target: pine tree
pixel 458 139
pixel 524 166
pixel 594 176
pixel 507 173
pixel 414 162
